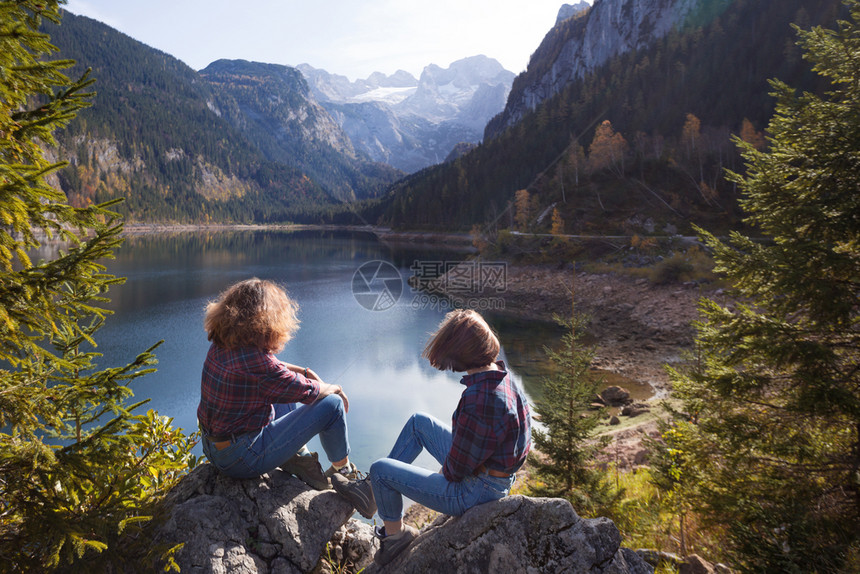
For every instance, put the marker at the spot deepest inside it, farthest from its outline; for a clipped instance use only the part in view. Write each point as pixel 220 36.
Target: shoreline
pixel 155 228
pixel 454 242
pixel 638 327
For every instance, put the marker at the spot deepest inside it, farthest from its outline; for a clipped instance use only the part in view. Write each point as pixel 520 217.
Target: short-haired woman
pixel 486 444
pixel 256 412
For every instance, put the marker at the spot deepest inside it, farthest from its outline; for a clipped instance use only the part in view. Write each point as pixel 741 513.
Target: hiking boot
pixel 391 546
pixel 307 469
pixel 359 493
pixel 350 471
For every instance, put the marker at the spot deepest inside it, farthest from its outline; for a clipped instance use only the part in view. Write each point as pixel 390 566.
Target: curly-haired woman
pixel 256 412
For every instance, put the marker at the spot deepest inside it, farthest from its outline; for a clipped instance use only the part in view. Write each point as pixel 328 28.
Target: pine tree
pixel 566 442
pixel 775 403
pixel 76 466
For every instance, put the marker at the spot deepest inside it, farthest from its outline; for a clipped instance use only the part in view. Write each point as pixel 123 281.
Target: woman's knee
pixel 332 403
pixel 379 470
pixel 420 420
pixel 377 467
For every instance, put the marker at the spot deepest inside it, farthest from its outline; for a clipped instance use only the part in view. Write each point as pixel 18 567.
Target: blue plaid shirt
pixel 491 426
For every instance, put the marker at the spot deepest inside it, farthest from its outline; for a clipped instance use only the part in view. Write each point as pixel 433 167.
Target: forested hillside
pixel 639 145
pixel 158 135
pixel 271 105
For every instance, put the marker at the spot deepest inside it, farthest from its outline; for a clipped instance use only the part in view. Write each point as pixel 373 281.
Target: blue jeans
pixel 393 477
pixel 250 455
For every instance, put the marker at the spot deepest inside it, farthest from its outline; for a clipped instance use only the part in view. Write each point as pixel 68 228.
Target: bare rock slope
pixel 277 525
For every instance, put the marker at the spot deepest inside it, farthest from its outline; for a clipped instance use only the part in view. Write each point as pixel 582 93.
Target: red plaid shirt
pixel 491 426
pixel 239 387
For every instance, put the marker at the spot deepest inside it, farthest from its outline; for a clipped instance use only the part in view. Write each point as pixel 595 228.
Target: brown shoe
pixel 307 469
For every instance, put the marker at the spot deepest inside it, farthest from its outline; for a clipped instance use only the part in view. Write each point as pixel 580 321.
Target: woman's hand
pixel 327 389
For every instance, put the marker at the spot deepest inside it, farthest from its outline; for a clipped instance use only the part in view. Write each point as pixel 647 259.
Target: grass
pixel 694 264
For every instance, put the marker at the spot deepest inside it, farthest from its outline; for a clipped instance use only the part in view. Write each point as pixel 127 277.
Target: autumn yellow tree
pixel 751 136
pixel 522 204
pixel 607 149
pixel 690 136
pixel 557 223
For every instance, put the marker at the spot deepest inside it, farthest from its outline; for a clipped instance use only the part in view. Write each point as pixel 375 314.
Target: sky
pixel 353 38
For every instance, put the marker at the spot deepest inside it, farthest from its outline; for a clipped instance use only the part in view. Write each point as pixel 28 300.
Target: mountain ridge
pixel 276 111
pixel 414 123
pixel 152 137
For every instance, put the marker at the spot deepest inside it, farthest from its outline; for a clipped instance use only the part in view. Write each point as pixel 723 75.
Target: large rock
pixel 518 535
pixel 272 524
pixel 616 396
pixel 277 525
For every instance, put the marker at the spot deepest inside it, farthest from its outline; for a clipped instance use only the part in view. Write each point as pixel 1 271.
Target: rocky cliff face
pixel 272 105
pixel 411 124
pixel 276 524
pixel 570 10
pixel 460 92
pixel 278 99
pixel 586 39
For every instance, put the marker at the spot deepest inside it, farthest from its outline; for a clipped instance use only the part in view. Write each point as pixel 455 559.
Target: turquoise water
pixel 374 354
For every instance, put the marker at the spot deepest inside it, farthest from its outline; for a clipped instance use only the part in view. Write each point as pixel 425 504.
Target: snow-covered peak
pixel 390 96
pixel 339 89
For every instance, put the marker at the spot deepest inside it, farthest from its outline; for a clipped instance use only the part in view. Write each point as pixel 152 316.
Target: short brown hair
pixel 462 342
pixel 252 313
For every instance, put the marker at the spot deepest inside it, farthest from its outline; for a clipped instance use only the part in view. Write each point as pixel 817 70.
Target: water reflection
pixel 525 343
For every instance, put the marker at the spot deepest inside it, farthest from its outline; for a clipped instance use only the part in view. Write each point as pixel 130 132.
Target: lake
pixel 362 325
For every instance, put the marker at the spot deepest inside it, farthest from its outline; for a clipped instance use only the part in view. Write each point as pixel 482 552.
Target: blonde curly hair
pixel 252 313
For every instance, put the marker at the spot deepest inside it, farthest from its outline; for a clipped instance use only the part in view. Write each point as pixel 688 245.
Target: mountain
pixel 570 10
pixel 461 93
pixel 623 121
pixel 411 124
pixel 273 107
pixel 336 88
pixel 588 37
pixel 180 147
